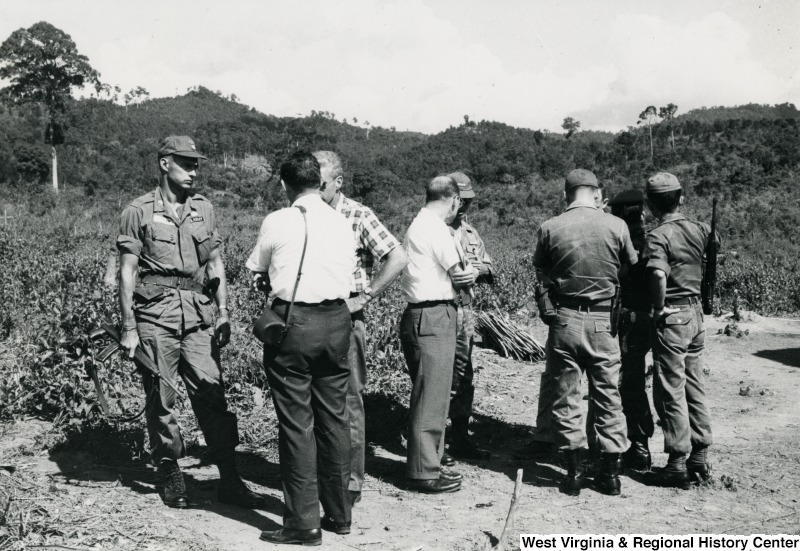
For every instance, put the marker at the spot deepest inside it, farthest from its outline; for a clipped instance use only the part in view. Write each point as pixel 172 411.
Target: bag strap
pixel 300 268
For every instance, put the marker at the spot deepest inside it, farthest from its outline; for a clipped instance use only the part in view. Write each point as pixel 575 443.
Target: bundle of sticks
pixel 508 339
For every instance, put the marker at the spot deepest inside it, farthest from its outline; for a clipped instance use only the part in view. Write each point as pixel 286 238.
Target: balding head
pixel 441 188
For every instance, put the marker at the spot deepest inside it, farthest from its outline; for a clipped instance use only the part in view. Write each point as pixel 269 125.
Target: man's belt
pixel 584 305
pixel 327 302
pixel 174 282
pixel 431 303
pixel 682 301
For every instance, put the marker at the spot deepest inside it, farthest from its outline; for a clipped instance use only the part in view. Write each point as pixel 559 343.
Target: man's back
pixel 330 254
pixel 676 246
pixel 581 251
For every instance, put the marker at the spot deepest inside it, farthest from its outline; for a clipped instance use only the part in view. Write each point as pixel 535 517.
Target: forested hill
pixel 749 156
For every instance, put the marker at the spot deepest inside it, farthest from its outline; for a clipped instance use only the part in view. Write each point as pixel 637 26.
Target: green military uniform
pixel 174 318
pixel 581 252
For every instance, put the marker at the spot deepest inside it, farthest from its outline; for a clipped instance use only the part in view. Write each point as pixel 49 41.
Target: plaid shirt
pixel 373 240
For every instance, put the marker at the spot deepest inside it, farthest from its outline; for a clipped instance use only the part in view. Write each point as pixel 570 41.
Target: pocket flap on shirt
pixel 161 232
pixel 201 235
pixel 678 318
pixel 602 327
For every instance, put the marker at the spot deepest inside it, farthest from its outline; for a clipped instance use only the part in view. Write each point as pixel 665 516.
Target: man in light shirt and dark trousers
pixel 308 374
pixel 428 332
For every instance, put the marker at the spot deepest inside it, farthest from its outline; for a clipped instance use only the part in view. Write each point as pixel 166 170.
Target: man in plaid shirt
pixel 373 242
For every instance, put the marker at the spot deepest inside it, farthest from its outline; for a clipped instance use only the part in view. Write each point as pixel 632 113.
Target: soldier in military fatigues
pixel 581 252
pixel 169 238
pixel 634 334
pixel 675 251
pixel 463 390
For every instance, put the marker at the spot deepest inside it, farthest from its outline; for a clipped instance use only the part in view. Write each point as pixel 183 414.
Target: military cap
pixel 183 146
pixel 627 197
pixel 662 183
pixel 580 177
pixel 464 182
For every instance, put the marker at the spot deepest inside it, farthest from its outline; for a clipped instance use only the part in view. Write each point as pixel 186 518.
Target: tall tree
pixel 668 114
pixel 571 126
pixel 43 66
pixel 648 116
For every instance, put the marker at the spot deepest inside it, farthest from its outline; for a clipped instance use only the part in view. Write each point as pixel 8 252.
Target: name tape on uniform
pixel 660 542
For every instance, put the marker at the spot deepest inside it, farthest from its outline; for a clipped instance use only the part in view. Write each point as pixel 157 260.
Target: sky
pixel 423 65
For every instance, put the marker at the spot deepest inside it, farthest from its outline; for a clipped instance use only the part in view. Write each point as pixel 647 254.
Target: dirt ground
pixel 754 390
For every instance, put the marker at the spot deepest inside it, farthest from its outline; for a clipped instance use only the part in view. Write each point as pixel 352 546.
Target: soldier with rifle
pixel 169 238
pixel 675 250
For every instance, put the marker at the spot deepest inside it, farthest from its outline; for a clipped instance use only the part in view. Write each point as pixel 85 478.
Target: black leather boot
pixel 461 446
pixel 592 463
pixel 607 479
pixel 698 465
pixel 232 489
pixel 674 475
pixel 174 485
pixel 637 457
pixel 572 483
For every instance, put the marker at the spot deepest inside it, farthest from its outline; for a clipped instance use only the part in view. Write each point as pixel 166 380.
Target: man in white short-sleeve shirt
pixel 308 373
pixel 428 332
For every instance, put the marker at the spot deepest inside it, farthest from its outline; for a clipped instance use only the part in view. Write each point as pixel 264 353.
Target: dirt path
pixel 753 385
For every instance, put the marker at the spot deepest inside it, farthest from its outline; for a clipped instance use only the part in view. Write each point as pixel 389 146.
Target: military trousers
pixel 428 337
pixel 192 355
pixel 581 342
pixel 678 381
pixel 462 393
pixel 357 359
pixel 308 378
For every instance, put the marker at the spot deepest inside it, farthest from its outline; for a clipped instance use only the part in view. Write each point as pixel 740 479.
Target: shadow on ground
pixel 106 452
pixel 786 356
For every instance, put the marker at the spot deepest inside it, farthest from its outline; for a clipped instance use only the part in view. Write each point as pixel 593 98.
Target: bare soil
pixel 754 389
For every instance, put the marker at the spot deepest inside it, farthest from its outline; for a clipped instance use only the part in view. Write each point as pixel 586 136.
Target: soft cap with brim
pixel 182 146
pixel 627 197
pixel 465 190
pixel 662 183
pixel 580 177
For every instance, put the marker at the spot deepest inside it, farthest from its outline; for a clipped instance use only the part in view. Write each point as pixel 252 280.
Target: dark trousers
pixel 462 393
pixel 192 355
pixel 308 381
pixel 357 358
pixel 678 381
pixel 428 336
pixel 634 340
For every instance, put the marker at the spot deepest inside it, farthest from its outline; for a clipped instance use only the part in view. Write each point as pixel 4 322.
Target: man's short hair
pixel 300 172
pixel 331 160
pixel 441 187
pixel 572 192
pixel 667 201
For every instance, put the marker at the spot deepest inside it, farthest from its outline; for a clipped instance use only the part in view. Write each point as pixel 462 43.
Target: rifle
pixel 710 265
pixel 616 312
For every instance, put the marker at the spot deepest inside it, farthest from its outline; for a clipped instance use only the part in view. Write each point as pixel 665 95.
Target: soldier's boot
pixel 461 446
pixel 607 479
pixel 232 489
pixel 673 475
pixel 698 466
pixel 174 485
pixel 572 483
pixel 592 463
pixel 637 457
